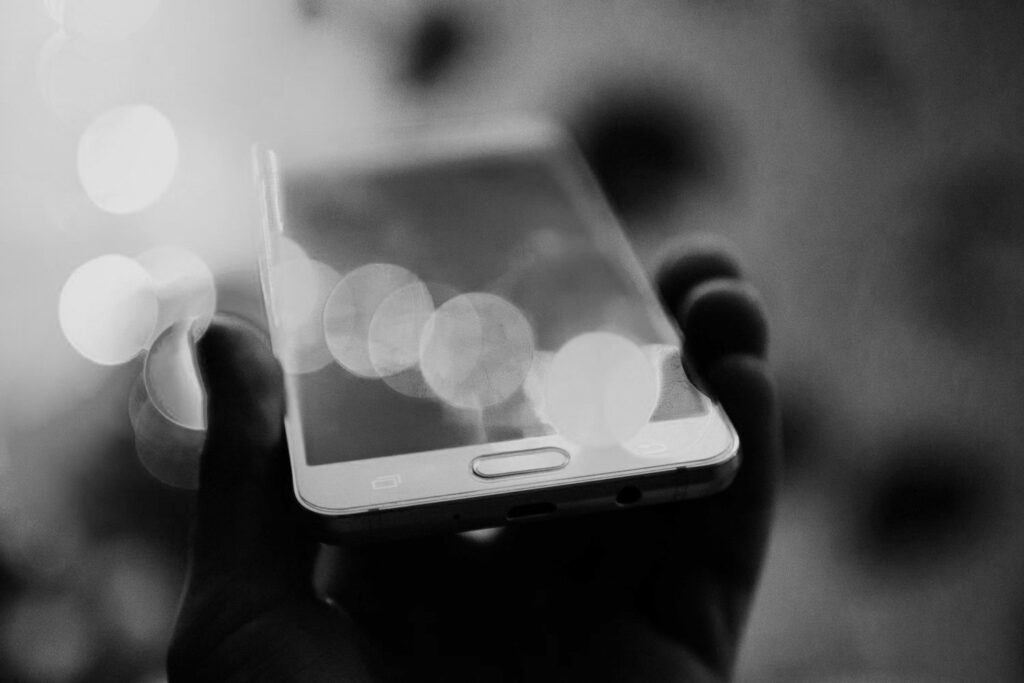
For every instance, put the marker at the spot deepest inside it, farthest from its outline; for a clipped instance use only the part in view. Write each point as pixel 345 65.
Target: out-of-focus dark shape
pixel 853 58
pixel 975 248
pixel 646 149
pixel 311 9
pixel 929 501
pixel 801 425
pixel 436 44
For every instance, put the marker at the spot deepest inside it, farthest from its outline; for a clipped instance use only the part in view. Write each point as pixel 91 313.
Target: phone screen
pixel 429 305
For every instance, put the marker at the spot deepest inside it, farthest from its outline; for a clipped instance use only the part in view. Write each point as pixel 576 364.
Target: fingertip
pixel 234 348
pixel 694 259
pixel 244 392
pixel 743 379
pixel 238 370
pixel 722 317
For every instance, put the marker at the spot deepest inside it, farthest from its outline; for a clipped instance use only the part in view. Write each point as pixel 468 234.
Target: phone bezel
pixel 437 477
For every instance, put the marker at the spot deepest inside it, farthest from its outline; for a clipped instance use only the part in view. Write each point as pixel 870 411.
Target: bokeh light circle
pixel 171 378
pixel 393 338
pixel 476 350
pixel 168 451
pixel 350 310
pixel 184 285
pixel 301 293
pixel 127 158
pixel 600 390
pixel 108 309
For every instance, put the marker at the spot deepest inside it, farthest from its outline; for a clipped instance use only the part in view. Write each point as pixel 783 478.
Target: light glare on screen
pixel 302 344
pixel 394 334
pixel 476 350
pixel 350 310
pixel 600 389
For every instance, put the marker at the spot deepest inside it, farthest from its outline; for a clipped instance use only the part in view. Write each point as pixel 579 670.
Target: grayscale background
pixel 864 159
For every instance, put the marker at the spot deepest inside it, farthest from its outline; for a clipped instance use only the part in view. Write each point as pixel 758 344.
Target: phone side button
pixel 526 462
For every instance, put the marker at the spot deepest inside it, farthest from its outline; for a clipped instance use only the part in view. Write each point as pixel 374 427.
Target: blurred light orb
pixel 302 291
pixel 102 19
pixel 184 285
pixel 351 309
pixel 292 286
pixel 600 390
pixel 476 350
pixel 168 451
pixel 533 386
pixel 171 378
pixel 127 158
pixel 108 309
pixel 393 338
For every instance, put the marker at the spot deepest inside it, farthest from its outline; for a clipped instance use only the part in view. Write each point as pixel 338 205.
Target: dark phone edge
pixel 549 503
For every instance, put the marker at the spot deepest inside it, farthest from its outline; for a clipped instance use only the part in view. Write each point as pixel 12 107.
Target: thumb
pixel 247 522
pixel 249 611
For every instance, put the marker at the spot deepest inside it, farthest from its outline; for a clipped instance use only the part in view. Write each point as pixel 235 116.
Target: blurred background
pixel 865 160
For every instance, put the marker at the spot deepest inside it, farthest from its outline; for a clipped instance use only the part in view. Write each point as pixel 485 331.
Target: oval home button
pixel 524 462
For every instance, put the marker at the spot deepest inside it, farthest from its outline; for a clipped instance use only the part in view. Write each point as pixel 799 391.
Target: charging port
pixel 531 510
pixel 629 495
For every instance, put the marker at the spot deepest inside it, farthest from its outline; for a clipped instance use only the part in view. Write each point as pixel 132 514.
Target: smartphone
pixel 468 340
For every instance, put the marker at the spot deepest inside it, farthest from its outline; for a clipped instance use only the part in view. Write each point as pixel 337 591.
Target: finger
pixel 722 317
pixel 246 517
pixel 695 261
pixel 249 611
pixel 704 585
pixel 741 515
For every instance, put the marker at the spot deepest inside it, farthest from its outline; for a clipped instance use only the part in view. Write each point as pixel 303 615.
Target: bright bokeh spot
pixel 350 311
pixel 302 292
pixel 292 286
pixel 600 390
pixel 533 385
pixel 184 285
pixel 102 19
pixel 172 379
pixel 77 78
pixel 393 338
pixel 127 158
pixel 476 350
pixel 168 451
pixel 108 309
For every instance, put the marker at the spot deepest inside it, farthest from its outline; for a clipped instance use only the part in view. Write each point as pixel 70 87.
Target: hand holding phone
pixel 658 593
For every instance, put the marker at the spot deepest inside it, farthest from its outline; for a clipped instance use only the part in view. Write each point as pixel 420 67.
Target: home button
pixel 523 462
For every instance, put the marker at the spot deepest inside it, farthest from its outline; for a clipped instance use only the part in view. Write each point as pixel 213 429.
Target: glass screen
pixel 435 304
